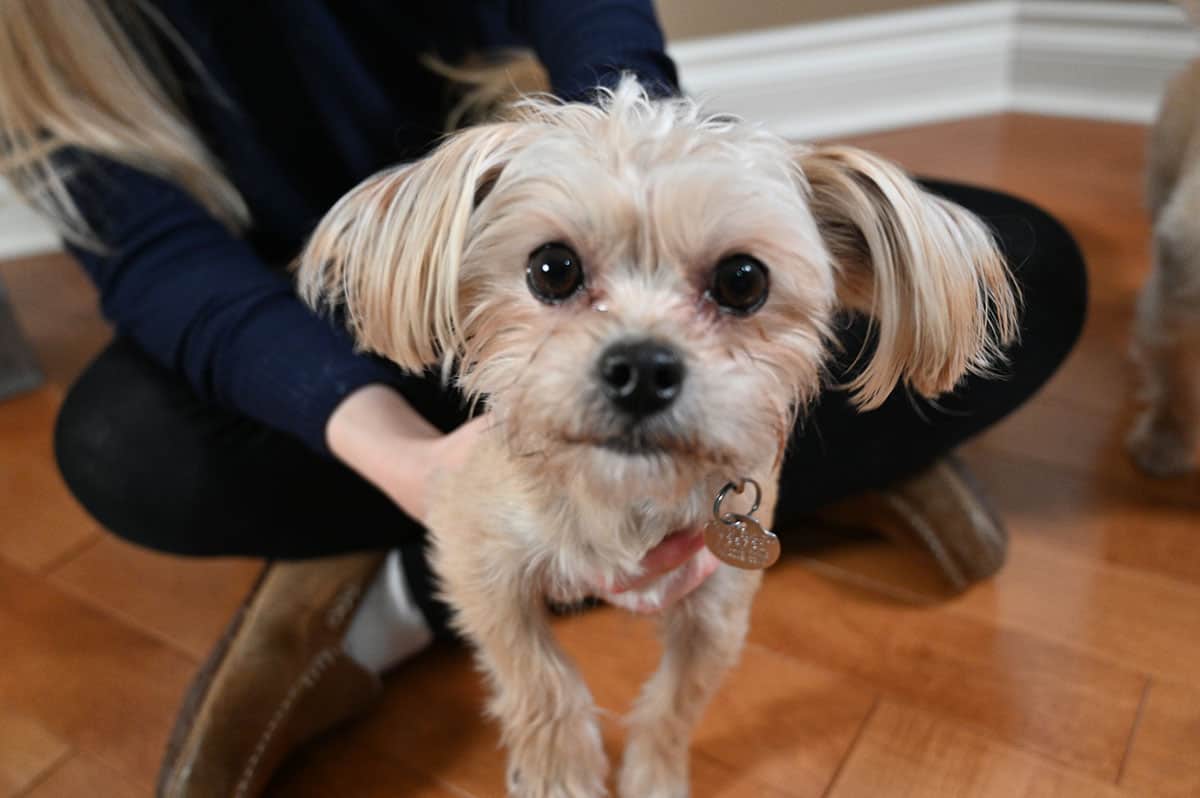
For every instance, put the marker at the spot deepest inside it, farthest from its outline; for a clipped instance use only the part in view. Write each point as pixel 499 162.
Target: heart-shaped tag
pixel 740 541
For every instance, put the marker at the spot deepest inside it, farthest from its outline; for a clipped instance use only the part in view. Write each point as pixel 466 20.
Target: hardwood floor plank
pixel 83 775
pixel 1164 758
pixel 1033 156
pixel 907 753
pixel 28 750
pixel 320 771
pixel 91 680
pixel 185 601
pixel 39 520
pixel 1030 692
pixel 1145 526
pixel 1143 621
pixel 712 778
pixel 430 719
pixel 1090 445
pixel 1077 441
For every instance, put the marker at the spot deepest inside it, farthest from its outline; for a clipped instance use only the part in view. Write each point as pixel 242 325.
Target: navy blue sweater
pixel 317 96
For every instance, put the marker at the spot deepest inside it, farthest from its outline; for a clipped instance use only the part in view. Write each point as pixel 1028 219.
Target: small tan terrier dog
pixel 644 296
pixel 1167 329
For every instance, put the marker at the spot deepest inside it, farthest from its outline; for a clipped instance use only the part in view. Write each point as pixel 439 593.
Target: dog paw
pixel 651 769
pixel 564 759
pixel 1159 448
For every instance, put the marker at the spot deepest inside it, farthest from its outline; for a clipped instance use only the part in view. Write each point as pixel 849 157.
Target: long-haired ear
pixel 389 253
pixel 926 271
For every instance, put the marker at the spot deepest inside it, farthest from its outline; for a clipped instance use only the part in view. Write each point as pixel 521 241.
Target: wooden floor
pixel 1075 673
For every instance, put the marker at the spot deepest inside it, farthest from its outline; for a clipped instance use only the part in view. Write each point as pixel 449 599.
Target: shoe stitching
pixel 928 536
pixel 983 522
pixel 316 668
pixel 342 606
pixel 981 518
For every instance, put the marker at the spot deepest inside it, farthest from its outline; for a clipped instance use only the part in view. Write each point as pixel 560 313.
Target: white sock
pixel 388 627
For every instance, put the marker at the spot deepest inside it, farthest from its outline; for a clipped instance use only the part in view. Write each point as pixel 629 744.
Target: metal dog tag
pixel 742 543
pixel 739 540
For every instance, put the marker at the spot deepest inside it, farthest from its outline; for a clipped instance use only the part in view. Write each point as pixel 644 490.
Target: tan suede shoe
pixel 941 510
pixel 276 679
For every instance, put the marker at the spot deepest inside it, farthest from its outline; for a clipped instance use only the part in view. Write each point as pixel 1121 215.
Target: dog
pixel 645 296
pixel 1166 346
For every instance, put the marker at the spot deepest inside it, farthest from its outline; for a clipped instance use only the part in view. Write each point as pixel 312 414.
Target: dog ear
pixel 389 253
pixel 927 272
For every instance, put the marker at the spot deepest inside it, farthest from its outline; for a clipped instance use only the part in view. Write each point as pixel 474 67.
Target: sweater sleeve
pixel 589 43
pixel 200 302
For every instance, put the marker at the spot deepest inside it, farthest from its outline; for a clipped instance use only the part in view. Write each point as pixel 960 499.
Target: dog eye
pixel 739 284
pixel 554 273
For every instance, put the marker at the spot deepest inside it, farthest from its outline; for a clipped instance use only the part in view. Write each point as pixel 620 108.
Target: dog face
pixel 643 294
pixel 643 312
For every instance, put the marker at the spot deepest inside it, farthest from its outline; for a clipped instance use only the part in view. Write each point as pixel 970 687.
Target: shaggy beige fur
pixel 428 263
pixel 1167 329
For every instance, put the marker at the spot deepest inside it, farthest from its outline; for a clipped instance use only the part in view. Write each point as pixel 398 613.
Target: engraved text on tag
pixel 741 542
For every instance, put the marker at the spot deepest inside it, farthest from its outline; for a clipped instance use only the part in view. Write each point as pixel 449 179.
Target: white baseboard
pixel 1104 60
pixel 1098 60
pixel 1085 58
pixel 859 74
pixel 22 232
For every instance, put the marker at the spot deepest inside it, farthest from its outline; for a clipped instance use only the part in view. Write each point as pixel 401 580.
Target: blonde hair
pixel 88 74
pixel 488 85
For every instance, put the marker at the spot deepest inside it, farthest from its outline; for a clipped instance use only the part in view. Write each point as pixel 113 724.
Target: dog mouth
pixel 635 445
pixel 630 442
pixel 638 443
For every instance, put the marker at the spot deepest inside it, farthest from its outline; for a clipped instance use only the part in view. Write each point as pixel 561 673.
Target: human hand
pixel 378 434
pixel 446 454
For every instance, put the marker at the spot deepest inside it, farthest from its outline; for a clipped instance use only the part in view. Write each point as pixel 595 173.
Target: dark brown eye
pixel 739 284
pixel 554 273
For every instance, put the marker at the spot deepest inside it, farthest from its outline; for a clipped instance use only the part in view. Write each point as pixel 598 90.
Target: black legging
pixel 160 467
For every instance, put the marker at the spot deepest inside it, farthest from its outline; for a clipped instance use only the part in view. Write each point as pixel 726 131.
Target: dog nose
pixel 641 377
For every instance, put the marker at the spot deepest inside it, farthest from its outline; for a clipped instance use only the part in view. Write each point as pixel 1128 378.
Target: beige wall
pixel 684 19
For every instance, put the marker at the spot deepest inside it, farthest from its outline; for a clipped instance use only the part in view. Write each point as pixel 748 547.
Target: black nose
pixel 641 377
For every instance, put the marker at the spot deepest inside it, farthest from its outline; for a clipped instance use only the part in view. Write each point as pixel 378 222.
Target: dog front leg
pixel 1167 343
pixel 703 636
pixel 545 711
pixel 1165 436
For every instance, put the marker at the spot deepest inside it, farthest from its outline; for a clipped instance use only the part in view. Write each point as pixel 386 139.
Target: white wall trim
pixel 1097 60
pixel 865 73
pixel 1103 60
pixel 22 232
